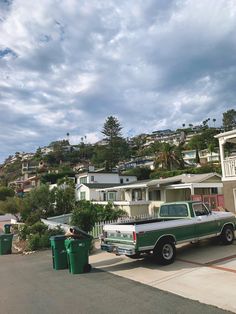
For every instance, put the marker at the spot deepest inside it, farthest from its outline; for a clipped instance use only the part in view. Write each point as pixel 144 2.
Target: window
pixel 82 196
pixel 111 196
pixel 83 180
pixel 214 191
pixel 127 179
pixel 174 210
pixel 136 195
pixel 154 195
pixel 121 180
pixel 92 178
pixel 200 209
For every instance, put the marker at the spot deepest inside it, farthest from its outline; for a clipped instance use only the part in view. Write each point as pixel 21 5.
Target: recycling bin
pixel 7 228
pixel 78 254
pixel 6 243
pixel 59 254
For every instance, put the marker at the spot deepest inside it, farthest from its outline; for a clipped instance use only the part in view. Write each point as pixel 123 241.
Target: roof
pixel 100 185
pixel 182 178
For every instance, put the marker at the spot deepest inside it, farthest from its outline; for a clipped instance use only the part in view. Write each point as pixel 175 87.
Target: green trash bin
pixel 78 254
pixel 59 254
pixel 6 243
pixel 7 228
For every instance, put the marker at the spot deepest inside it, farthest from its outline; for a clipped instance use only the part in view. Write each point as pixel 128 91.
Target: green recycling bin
pixel 6 243
pixel 78 255
pixel 7 228
pixel 59 254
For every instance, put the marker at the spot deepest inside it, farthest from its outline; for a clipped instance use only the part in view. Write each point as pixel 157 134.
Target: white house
pixel 228 165
pixel 88 184
pixel 145 197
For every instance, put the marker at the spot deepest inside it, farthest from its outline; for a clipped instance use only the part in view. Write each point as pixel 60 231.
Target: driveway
pixel 29 285
pixel 205 272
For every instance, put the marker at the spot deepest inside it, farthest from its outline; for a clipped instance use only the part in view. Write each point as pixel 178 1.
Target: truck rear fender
pixel 169 237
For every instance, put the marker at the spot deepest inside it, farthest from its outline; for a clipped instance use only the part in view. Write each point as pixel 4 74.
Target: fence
pixel 97 229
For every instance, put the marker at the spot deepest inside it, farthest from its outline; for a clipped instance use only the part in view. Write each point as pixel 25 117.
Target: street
pixel 29 285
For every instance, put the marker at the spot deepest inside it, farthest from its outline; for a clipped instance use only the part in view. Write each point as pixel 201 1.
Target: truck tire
pixel 227 235
pixel 165 252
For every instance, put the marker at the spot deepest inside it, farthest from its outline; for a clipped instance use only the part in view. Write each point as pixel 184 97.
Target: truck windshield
pixel 174 210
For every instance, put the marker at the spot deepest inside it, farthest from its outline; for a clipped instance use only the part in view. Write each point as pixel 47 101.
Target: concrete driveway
pixel 205 272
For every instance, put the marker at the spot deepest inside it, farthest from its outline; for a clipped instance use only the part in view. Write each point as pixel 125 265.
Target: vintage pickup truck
pixel 179 222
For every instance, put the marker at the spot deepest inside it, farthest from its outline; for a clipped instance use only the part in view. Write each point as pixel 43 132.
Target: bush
pixel 33 242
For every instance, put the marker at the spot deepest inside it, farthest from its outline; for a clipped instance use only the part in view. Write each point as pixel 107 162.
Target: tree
pixel 169 157
pixel 197 144
pixel 229 119
pixel 6 192
pixel 12 205
pixel 117 146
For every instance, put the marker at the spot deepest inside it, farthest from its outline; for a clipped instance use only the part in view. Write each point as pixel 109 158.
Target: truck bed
pixel 144 221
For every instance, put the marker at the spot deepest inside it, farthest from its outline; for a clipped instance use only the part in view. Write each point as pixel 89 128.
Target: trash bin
pixel 78 254
pixel 7 228
pixel 6 243
pixel 59 254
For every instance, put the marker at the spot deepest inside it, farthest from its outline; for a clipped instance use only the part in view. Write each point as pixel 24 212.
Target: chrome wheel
pixel 167 251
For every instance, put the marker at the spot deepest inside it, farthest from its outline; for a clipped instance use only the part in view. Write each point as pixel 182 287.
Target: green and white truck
pixel 176 223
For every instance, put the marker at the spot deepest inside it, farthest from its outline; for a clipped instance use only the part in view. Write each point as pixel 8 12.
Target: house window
pixel 121 180
pixel 214 191
pixel 82 196
pixel 136 195
pixel 83 180
pixel 127 179
pixel 154 195
pixel 92 178
pixel 111 196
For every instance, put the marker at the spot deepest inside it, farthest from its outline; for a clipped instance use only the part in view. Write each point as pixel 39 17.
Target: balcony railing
pixel 230 167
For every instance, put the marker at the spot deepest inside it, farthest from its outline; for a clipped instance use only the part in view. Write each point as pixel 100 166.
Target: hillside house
pixel 145 197
pixel 88 184
pixel 227 143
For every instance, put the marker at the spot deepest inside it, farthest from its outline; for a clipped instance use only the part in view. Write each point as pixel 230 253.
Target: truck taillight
pixel 134 235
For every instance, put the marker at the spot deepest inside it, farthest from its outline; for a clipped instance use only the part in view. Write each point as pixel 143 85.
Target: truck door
pixel 206 224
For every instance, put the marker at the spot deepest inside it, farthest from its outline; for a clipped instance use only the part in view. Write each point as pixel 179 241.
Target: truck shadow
pixel 188 256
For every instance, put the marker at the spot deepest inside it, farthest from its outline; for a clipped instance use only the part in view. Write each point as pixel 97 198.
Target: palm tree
pixel 169 158
pixel 214 121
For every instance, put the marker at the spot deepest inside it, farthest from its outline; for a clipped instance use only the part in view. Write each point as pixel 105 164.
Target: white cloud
pixel 66 65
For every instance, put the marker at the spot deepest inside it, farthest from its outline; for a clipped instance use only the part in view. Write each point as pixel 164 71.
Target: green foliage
pixel 52 178
pixel 86 214
pixel 6 192
pixel 229 119
pixel 112 128
pixel 108 212
pixel 169 157
pixel 140 173
pixel 12 205
pixel 33 242
pixel 64 200
pixel 210 167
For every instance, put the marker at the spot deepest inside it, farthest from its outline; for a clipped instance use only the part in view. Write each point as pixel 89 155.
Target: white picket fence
pixel 63 222
pixel 98 228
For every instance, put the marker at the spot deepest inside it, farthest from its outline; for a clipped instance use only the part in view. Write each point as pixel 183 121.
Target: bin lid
pixel 7 225
pixel 58 237
pixel 78 231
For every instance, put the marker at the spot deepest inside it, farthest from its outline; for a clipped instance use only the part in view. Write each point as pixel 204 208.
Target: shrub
pixel 33 242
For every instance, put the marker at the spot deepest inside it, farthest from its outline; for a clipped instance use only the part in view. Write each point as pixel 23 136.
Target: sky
pixel 66 65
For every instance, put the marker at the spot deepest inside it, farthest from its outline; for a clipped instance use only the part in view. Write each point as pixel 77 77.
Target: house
pixel 205 156
pixel 88 183
pixel 145 197
pixel 227 143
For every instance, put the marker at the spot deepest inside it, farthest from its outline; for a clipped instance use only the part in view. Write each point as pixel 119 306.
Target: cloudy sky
pixel 66 65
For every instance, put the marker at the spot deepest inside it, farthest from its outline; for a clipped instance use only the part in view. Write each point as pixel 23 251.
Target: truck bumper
pixel 118 250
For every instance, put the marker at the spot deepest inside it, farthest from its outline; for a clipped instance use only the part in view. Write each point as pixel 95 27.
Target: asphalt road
pixel 29 285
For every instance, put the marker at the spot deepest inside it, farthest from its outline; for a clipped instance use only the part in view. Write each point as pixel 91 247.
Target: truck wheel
pixel 165 252
pixel 227 235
